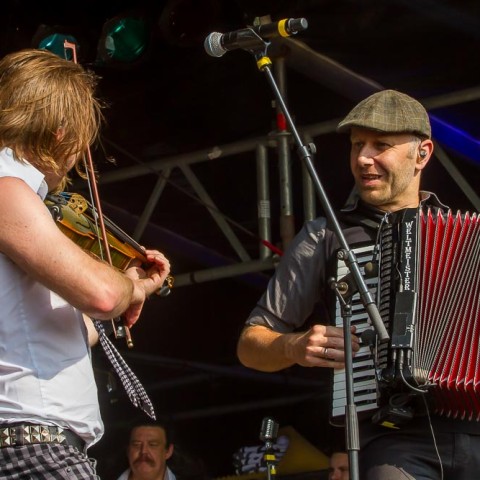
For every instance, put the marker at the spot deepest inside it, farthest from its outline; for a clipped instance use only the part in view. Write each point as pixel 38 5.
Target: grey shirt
pixel 299 282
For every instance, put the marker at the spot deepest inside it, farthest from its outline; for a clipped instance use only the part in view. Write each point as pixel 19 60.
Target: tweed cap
pixel 389 111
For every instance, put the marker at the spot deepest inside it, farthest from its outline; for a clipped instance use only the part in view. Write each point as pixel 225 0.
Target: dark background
pixel 176 104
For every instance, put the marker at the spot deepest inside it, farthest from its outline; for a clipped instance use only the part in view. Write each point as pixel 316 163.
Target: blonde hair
pixel 48 112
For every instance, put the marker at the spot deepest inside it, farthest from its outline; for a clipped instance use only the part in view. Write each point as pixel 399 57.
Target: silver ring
pixel 325 352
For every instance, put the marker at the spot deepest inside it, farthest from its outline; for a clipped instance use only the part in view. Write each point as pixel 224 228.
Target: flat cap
pixel 389 111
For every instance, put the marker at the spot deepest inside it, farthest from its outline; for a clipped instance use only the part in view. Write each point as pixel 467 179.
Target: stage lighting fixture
pixel 53 39
pixel 124 40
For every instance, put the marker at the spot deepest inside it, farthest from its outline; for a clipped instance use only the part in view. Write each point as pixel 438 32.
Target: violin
pixel 76 218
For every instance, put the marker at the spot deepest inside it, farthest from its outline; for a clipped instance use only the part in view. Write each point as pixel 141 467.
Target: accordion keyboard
pixel 364 375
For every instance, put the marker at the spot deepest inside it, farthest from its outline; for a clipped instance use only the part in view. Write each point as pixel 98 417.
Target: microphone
pixel 268 430
pixel 217 44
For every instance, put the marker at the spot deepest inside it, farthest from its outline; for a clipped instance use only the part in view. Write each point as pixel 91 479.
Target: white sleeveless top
pixel 46 374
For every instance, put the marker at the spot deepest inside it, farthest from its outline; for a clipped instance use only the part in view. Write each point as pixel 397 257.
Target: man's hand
pixel 146 281
pixel 320 346
pixel 264 349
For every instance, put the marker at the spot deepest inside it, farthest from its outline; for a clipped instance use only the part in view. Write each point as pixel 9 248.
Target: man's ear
pixel 60 133
pixel 169 451
pixel 424 153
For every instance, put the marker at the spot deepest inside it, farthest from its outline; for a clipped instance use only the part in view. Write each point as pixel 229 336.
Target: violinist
pixel 49 286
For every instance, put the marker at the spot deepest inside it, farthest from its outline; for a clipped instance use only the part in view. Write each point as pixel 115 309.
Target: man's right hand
pixel 146 282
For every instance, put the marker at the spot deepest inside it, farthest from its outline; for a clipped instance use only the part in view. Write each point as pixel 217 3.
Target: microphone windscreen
pixel 269 429
pixel 213 46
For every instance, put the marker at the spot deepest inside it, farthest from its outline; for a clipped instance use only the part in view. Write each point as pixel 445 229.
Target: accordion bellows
pixel 446 342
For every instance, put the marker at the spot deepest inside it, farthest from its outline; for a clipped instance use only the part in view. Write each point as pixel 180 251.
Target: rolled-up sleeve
pixel 295 286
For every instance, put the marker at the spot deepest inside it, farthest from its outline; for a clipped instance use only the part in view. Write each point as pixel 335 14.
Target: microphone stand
pixel 270 460
pixel 344 294
pixel 268 435
pixel 305 153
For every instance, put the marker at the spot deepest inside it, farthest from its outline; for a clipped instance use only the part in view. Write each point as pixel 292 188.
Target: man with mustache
pixel 148 450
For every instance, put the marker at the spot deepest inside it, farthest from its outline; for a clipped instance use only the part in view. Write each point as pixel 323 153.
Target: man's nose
pixel 366 156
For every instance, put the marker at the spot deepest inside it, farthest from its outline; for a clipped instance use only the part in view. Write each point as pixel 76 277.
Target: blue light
pixel 55 44
pixel 456 139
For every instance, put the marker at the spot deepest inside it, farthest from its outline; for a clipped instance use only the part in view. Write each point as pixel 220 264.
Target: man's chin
pixel 372 197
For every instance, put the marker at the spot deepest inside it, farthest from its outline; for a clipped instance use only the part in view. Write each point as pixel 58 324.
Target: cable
pixel 433 437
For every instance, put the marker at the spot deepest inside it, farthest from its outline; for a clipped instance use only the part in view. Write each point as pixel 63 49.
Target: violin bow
pixel 123 330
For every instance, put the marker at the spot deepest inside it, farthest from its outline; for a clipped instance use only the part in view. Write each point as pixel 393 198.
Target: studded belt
pixel 17 434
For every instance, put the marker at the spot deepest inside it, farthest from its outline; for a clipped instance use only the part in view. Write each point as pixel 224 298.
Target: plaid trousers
pixel 46 461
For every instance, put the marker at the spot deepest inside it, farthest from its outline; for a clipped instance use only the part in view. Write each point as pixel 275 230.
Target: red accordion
pixel 428 295
pixel 446 329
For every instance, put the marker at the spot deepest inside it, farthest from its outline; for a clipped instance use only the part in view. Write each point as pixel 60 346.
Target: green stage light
pixel 123 40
